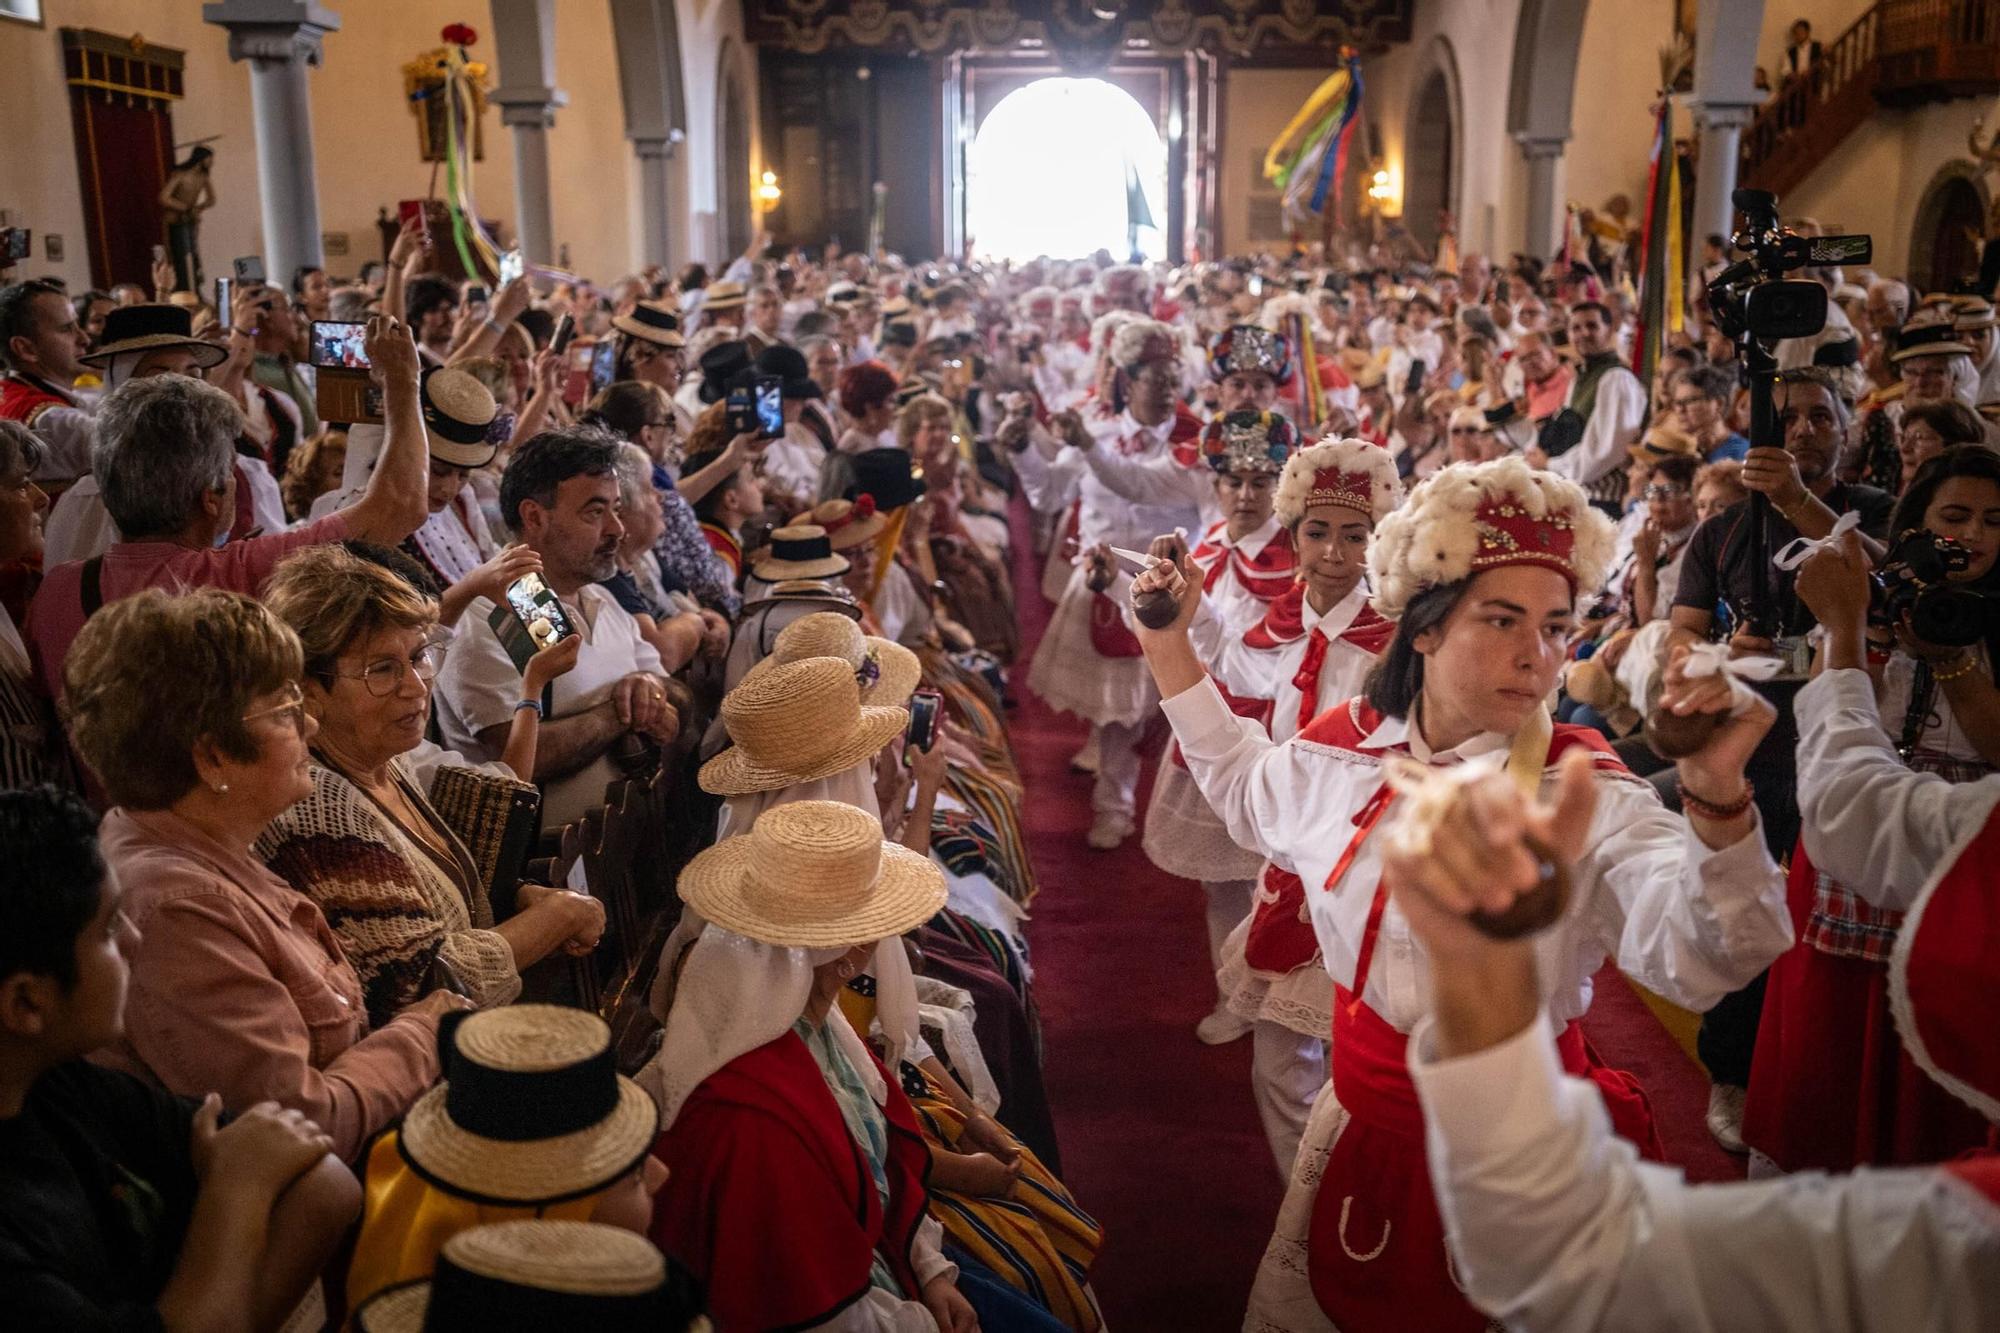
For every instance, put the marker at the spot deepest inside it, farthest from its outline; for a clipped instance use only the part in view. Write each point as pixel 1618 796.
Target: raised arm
pixel 395 503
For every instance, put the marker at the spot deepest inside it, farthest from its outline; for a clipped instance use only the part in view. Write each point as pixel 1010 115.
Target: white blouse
pixel 1689 923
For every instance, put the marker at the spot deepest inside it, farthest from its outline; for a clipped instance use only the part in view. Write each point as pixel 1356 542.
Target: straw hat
pixel 885 671
pixel 458 411
pixel 531 1109
pixel 1929 334
pixel 797 723
pixel 518 1275
pixel 723 296
pixel 799 552
pixel 848 523
pixel 1664 442
pixel 813 875
pixel 654 322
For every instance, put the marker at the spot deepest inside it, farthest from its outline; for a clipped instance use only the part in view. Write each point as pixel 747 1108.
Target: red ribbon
pixel 1307 677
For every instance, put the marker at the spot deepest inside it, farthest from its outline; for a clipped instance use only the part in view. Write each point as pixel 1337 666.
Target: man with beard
pixel 1721 568
pixel 559 495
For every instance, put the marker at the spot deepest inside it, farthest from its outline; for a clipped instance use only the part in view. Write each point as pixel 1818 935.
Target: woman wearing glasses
pixel 189 711
pixel 401 891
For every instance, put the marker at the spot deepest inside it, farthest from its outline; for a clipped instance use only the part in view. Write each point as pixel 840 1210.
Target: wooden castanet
pixel 1534 910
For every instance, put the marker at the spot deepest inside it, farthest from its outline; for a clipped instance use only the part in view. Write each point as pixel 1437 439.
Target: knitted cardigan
pixel 393 908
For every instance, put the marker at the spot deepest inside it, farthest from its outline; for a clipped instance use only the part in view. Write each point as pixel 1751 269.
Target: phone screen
pixel 538 609
pixel 250 268
pixel 603 364
pixel 475 295
pixel 339 345
pixel 742 412
pixel 511 265
pixel 923 732
pixel 770 406
pixel 565 330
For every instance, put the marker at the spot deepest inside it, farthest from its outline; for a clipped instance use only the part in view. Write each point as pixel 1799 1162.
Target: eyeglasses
pixel 1467 430
pixel 1683 404
pixel 292 710
pixel 384 676
pixel 1664 492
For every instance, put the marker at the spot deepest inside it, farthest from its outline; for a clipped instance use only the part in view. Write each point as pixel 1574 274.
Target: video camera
pixel 1752 299
pixel 1913 582
pixel 1755 305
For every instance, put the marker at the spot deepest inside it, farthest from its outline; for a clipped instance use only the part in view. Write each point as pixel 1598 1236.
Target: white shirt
pixel 1554 1224
pixel 792 463
pixel 1687 922
pixel 1063 376
pixel 1231 602
pixel 479 686
pixel 1107 514
pixel 1612 430
pixel 1869 821
pixel 1267 673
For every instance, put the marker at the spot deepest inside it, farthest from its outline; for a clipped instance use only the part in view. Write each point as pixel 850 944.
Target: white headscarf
pixel 736 994
pixel 854 786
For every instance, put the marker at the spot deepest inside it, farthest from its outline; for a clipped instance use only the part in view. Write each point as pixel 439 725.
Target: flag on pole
pixel 1663 285
pixel 1137 212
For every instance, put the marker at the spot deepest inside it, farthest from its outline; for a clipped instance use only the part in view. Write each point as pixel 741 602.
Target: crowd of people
pixel 1470 661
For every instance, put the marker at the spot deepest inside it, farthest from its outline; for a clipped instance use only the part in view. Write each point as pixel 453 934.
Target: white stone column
pixel 524 33
pixel 1720 126
pixel 655 198
pixel 1544 203
pixel 280 39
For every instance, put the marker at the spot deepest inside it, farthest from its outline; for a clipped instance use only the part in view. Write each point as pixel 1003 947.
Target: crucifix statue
pixel 187 194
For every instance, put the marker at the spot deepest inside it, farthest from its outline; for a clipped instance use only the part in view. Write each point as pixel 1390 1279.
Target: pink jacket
pixel 239 987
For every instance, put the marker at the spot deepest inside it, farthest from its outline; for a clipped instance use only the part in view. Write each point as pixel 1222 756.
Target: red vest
pixel 772 1204
pixel 23 401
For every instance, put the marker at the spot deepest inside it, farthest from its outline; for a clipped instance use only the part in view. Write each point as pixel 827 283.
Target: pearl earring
pixel 221 789
pixel 846 970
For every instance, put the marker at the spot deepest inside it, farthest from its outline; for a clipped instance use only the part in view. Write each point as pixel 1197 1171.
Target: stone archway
pixel 1547 42
pixel 732 158
pixel 1945 237
pixel 1432 150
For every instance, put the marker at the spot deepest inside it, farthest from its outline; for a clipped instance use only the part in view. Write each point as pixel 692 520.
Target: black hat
pixel 890 476
pixel 899 333
pixel 1844 352
pixel 147 328
pixel 720 365
pixel 789 365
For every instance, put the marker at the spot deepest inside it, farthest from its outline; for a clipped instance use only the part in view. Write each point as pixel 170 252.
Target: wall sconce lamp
pixel 768 192
pixel 1385 193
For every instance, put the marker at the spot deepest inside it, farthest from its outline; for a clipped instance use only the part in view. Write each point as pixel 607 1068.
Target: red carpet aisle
pixel 1159 1136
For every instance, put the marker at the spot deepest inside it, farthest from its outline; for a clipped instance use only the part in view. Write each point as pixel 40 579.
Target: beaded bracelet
pixel 1964 667
pixel 1710 810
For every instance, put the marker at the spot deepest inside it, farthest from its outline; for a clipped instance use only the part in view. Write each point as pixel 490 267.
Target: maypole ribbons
pixel 1662 307
pixel 1307 164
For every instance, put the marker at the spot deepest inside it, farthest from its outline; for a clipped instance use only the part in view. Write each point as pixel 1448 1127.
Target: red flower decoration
pixel 864 507
pixel 459 34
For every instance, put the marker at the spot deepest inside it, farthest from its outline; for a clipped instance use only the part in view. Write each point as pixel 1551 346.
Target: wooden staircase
pixel 1899 53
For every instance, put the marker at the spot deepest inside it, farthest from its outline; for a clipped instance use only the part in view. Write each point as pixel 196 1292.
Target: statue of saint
pixel 187 194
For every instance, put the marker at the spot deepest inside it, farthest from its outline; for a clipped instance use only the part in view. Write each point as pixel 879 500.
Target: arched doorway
pixel 1430 161
pixel 1065 167
pixel 1945 241
pixel 732 182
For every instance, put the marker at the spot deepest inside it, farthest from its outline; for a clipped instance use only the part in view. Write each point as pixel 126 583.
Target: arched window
pixel 1065 167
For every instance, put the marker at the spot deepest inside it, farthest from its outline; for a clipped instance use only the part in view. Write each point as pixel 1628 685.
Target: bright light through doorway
pixel 1063 167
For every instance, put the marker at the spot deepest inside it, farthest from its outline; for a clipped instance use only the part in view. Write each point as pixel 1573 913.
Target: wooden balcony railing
pixel 1899 53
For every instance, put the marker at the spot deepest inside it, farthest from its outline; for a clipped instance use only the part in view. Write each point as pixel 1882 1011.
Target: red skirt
pixel 1375 1250
pixel 1831 1087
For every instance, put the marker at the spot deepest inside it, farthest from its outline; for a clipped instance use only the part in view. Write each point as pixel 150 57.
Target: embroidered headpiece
pixel 1249 442
pixel 1470 517
pixel 1138 341
pixel 1248 349
pixel 1352 473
